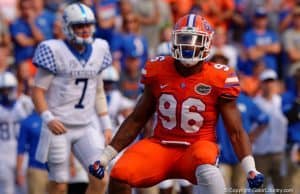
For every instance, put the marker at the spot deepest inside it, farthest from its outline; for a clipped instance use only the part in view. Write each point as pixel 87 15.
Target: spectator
pixel 36 176
pixel 217 12
pixel 106 14
pixel 286 14
pixel 25 32
pixel 260 42
pixel 221 46
pixel 129 78
pixel 238 22
pixel 164 48
pixel 148 12
pixel 165 14
pixel 249 7
pixel 119 106
pixel 125 7
pixel 250 83
pixel 291 39
pixel 130 36
pixel 179 8
pixel 13 110
pixel 53 5
pixel 45 19
pixel 269 145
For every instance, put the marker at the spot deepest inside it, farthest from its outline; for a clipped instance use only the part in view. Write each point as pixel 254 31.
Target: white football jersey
pixel 10 119
pixel 71 95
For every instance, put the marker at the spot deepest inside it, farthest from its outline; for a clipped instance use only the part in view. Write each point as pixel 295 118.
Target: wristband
pixel 107 155
pixel 105 122
pixel 248 164
pixel 47 116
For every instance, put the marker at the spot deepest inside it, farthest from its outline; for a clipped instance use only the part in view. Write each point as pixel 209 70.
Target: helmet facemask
pixel 80 40
pixel 190 47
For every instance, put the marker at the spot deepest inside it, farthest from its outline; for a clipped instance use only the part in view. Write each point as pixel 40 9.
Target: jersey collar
pixel 81 57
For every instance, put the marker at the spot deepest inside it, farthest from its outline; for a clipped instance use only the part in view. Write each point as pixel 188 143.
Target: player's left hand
pixel 107 136
pixel 255 179
pixel 97 170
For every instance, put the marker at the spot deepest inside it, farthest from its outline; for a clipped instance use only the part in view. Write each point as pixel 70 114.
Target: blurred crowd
pixel 260 39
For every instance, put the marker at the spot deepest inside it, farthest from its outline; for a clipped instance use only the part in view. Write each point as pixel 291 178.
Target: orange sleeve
pixel 229 86
pixel 148 73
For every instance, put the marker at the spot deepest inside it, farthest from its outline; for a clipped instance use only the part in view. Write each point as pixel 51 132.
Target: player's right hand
pixel 97 170
pixel 56 127
pixel 255 179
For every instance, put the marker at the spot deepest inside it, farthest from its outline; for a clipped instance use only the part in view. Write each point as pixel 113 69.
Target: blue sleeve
pixel 23 138
pixel 17 27
pixel 107 61
pixel 287 101
pixel 44 58
pixel 249 39
pixel 13 29
pixel 257 115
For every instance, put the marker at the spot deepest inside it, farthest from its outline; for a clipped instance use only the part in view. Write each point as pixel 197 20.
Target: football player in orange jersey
pixel 187 93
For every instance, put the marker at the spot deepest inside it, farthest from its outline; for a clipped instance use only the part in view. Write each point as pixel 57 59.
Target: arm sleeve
pixel 107 59
pixel 43 78
pixel 230 88
pixel 44 58
pixel 101 104
pixel 15 29
pixel 148 73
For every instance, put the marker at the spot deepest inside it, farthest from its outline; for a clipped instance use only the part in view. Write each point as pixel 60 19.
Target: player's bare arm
pixel 233 124
pixel 240 140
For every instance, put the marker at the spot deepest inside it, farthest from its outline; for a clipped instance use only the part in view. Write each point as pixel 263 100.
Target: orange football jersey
pixel 187 107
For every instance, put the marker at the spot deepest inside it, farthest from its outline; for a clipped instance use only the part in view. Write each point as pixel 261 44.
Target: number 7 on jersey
pixel 85 82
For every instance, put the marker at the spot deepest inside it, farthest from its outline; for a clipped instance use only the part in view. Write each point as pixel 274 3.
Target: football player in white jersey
pixel 68 92
pixel 13 110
